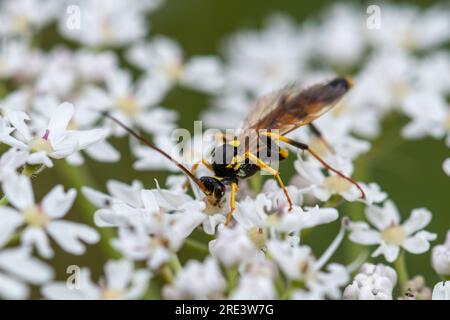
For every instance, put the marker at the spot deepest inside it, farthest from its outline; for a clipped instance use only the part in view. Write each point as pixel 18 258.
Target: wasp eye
pixel 340 83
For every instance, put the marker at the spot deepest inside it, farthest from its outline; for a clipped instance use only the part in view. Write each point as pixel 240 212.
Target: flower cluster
pixel 172 243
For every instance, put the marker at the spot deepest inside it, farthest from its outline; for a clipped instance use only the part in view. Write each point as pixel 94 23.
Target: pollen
pixel 336 184
pixel 41 144
pixel 128 105
pixel 394 235
pixel 112 294
pixel 257 236
pixel 35 217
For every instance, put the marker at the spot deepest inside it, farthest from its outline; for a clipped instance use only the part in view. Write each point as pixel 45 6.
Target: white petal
pixel 99 199
pixel 69 235
pixel 18 190
pixel 139 284
pixel 446 165
pixel 419 243
pixel 150 203
pixel 441 291
pixel 40 158
pixel 118 274
pixel 87 138
pixel 419 219
pixel 60 119
pixel 10 220
pixel 36 237
pixel 365 236
pixel 11 288
pixel 383 217
pixel 63 146
pixel 103 151
pixel 20 263
pixel 129 194
pixel 17 119
pixel 390 252
pixel 57 203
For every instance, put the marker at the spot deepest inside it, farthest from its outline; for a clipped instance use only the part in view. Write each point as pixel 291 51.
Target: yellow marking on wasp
pixel 235 143
pixel 284 153
pixel 234 189
pixel 264 166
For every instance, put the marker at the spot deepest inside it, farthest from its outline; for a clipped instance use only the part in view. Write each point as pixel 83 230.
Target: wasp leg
pixel 194 169
pixel 234 189
pixel 320 136
pixel 264 166
pixel 303 146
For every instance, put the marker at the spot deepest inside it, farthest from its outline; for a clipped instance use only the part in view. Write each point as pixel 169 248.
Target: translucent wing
pixel 293 106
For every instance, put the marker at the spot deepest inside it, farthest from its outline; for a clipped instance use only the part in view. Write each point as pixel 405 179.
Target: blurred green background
pixel 410 171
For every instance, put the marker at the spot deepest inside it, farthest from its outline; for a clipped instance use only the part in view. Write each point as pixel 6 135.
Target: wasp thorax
pixel 224 154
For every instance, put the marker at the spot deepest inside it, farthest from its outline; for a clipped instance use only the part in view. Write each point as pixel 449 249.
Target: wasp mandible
pixel 268 122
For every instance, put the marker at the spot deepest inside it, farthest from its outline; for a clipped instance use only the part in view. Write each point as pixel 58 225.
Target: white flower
pixel 108 22
pixel 132 104
pixel 298 263
pixel 11 160
pixel 256 280
pixel 42 219
pixel 446 166
pixel 197 280
pixel 18 17
pixel 440 257
pixel 391 235
pixel 121 281
pixel 53 140
pixel 263 61
pixel 441 291
pixel 324 186
pixel 433 123
pixel 232 246
pixel 17 268
pixel 373 282
pixel 162 59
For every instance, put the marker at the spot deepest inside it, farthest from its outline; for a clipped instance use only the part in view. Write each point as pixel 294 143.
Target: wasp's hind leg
pixel 234 189
pixel 321 138
pixel 305 147
pixel 264 166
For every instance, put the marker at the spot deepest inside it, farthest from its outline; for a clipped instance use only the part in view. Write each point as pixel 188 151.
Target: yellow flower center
pixel 174 70
pixel 319 146
pixel 336 184
pixel 112 294
pixel 257 236
pixel 21 23
pixel 41 144
pixel 35 217
pixel 128 105
pixel 447 122
pixel 400 89
pixel 394 235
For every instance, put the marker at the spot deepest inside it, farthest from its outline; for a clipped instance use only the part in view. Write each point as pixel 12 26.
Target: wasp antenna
pixel 152 146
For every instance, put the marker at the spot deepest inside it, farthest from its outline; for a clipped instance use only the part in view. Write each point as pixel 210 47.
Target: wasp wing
pixel 293 106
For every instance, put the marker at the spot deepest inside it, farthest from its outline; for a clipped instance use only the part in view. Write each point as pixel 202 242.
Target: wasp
pixel 273 116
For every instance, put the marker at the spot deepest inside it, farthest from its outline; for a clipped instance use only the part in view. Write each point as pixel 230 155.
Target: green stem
pixel 167 274
pixel 232 275
pixel 175 263
pixel 196 245
pixel 402 272
pixel 78 177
